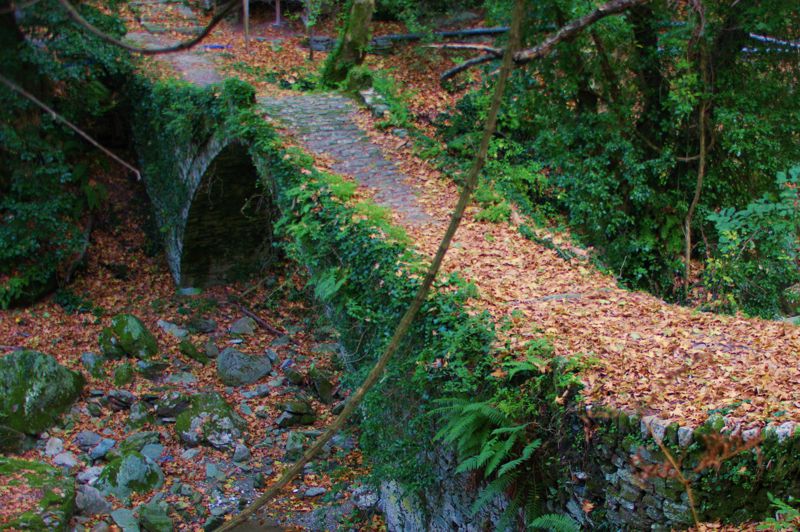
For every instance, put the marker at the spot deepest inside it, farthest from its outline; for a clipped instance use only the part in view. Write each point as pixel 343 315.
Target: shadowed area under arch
pixel 228 232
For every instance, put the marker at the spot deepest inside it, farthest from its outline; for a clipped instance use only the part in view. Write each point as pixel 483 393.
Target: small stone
pixel 123 374
pixel 190 454
pixel 101 449
pixel 314 492
pixel 90 501
pixel 364 498
pixel 89 475
pixel 66 460
pixel 685 437
pixel 151 369
pixel 172 329
pixel 120 399
pixel 294 445
pixel 131 473
pixel 95 410
pixel 212 351
pixel 101 526
pixel 171 404
pixel 140 414
pixel 181 378
pixel 54 446
pixel 242 326
pixel 93 364
pixel 235 368
pixel 785 430
pixel 241 453
pixel 153 517
pixel 214 473
pixel 188 349
pixel 125 519
pixel 137 440
pixel 202 325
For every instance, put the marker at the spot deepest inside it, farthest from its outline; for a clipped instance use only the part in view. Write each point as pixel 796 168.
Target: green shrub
pixel 757 258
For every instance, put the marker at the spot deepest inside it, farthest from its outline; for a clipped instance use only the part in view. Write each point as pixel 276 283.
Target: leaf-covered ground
pixel 120 276
pixel 639 352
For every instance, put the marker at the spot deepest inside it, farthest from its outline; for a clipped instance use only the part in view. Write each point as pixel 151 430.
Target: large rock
pixel 131 473
pixel 55 492
pixel 235 368
pixel 210 421
pixel 34 391
pixel 127 336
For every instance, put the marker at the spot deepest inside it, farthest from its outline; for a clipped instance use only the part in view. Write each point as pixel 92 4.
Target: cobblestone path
pixel 324 123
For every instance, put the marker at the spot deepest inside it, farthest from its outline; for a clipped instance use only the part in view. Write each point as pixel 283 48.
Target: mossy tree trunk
pixel 352 44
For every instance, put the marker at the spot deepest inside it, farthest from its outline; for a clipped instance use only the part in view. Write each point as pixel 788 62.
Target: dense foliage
pixel 617 115
pixel 46 181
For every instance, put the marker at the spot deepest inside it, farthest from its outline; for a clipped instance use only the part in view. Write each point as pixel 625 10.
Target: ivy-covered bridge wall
pixel 443 414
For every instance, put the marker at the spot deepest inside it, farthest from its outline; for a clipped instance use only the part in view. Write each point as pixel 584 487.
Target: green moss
pixel 123 374
pixel 56 506
pixel 127 335
pixel 130 473
pixel 35 390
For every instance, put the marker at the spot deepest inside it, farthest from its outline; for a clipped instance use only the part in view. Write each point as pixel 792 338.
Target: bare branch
pixel 572 29
pixel 566 32
pixel 16 88
pixel 447 74
pixel 185 45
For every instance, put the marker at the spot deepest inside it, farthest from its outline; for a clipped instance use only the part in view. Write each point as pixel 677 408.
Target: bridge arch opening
pixel 228 232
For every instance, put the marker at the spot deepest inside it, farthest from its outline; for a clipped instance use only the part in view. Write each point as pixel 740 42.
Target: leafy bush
pixel 47 183
pixel 758 258
pixel 613 117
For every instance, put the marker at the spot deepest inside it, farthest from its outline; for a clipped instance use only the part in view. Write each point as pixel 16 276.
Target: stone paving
pixel 324 123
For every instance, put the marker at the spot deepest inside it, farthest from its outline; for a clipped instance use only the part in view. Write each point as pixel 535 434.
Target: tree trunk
pixel 353 42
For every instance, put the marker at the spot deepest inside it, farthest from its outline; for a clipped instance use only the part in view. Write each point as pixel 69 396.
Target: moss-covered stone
pixel 190 350
pixel 127 335
pixel 34 390
pixel 56 502
pixel 131 473
pixel 123 374
pixel 153 517
pixel 210 421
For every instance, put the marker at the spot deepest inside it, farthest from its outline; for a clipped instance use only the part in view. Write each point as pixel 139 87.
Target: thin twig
pixel 185 45
pixel 681 478
pixel 16 88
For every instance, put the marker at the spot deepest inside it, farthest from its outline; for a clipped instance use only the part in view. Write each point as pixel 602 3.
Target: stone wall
pixel 617 472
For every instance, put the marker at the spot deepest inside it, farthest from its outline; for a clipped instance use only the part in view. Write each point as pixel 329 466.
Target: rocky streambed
pixel 128 404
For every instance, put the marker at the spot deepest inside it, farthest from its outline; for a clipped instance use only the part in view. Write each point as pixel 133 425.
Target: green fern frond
pixel 554 523
pixel 500 454
pixel 497 487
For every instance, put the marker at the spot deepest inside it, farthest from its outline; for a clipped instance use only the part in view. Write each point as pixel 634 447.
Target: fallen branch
pixel 185 45
pixel 422 293
pixel 447 74
pixel 16 88
pixel 261 322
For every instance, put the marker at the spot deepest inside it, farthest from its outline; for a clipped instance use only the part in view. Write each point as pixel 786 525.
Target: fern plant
pixel 554 523
pixel 502 438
